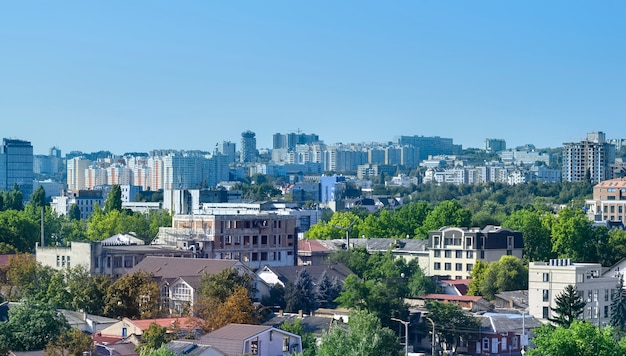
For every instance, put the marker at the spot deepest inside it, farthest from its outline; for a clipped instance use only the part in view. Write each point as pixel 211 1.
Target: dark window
pixel 546 312
pixel 448 254
pixel 437 266
pixel 437 253
pixel 546 277
pixel 458 267
pixel 448 266
pixel 459 254
pixel 546 295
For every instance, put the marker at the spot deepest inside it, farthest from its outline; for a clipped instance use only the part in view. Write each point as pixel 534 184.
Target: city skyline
pixel 133 77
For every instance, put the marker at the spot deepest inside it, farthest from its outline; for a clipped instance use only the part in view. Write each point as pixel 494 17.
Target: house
pixel 453 251
pixel 286 274
pixel 515 299
pixel 116 349
pixel 192 348
pixel 316 251
pixel 262 340
pixel 87 322
pixel 502 334
pixel 317 325
pixel 471 303
pixel 455 286
pixel 179 279
pixel 126 328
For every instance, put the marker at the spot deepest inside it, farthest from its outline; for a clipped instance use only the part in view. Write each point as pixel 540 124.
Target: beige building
pixel 546 280
pixel 609 201
pixel 112 257
pixel 453 251
pixel 255 239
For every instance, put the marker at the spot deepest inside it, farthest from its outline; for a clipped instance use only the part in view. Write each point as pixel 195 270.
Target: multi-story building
pixel 546 280
pixel 248 147
pixel 86 200
pixel 609 201
pixel 49 164
pixel 256 239
pixel 291 140
pixel 495 145
pixel 430 146
pixel 590 158
pixel 228 150
pixel 112 257
pixel 453 251
pixel 16 166
pixel 76 173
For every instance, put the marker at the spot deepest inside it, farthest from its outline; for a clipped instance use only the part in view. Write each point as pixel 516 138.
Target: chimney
pixel 300 313
pixel 280 312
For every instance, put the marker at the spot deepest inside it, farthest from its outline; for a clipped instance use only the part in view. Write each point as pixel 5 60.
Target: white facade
pixel 76 173
pixel 546 280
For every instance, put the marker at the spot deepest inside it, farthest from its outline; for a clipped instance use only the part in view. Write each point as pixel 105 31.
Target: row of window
pixel 254 240
pixel 606 209
pixel 252 256
pixel 457 266
pixel 457 253
pixel 63 261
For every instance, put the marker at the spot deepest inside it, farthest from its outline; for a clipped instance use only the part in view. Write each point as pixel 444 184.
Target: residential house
pixel 192 348
pixel 179 279
pixel 467 302
pixel 283 275
pixel 262 340
pixel 126 327
pixel 502 334
pixel 608 202
pixel 453 251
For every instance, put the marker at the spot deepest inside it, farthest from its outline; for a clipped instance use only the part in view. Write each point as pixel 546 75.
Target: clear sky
pixel 140 75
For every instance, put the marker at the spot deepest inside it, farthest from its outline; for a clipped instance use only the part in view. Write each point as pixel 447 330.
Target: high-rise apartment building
pixel 291 140
pixel 16 166
pixel 228 150
pixel 248 146
pixel 590 158
pixel 76 173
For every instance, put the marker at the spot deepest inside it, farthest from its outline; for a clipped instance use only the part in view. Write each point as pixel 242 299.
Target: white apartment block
pixel 546 280
pixel 453 251
pixel 593 156
pixel 76 173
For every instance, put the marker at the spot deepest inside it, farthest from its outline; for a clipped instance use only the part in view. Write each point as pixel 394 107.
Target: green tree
pixel 133 296
pixel 447 213
pixel 31 326
pixel 72 343
pixel 451 322
pixel 572 236
pixel 580 338
pixel 309 344
pixel 154 337
pixel 363 336
pixel 327 291
pixel 222 285
pixel 162 351
pixel 477 275
pixel 618 308
pixel 87 292
pixel 74 213
pixel 569 306
pixel 38 198
pixel 114 200
pixel 300 295
pixel 537 244
pixel 506 274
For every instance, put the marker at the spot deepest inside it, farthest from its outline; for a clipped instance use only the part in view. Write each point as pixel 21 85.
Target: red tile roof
pixel 311 246
pixel 185 323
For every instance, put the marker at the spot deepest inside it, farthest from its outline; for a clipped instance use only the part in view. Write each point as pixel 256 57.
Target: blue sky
pixel 140 75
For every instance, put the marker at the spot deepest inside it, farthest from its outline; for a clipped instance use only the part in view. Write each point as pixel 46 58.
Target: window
pixel 459 254
pixel 62 261
pixel 509 242
pixel 606 295
pixel 437 266
pixel 509 252
pixel 458 267
pixel 546 277
pixel 469 254
pixel 128 261
pixel 606 311
pixel 117 261
pixel 181 292
pixel 448 266
pixel 514 344
pixel 482 254
pixel 448 254
pixel 58 261
pixel 263 256
pixel 255 256
pixel 546 313
pixel 469 267
pixel 437 253
pixel 580 278
pixel 546 295
pixel 485 344
pixel 108 261
pixel 285 344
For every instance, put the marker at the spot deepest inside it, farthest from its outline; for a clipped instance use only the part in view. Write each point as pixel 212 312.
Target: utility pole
pixel 406 334
pixel 432 343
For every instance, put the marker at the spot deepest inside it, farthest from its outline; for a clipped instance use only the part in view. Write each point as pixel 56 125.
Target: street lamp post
pixel 432 343
pixel 406 334
pixel 347 232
